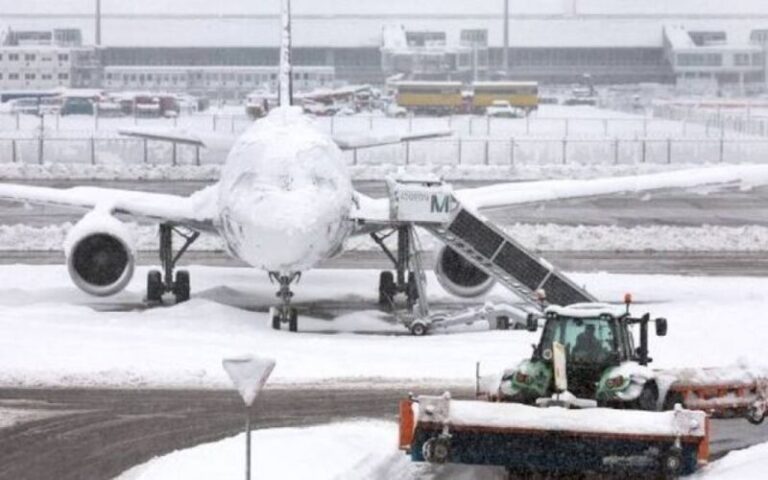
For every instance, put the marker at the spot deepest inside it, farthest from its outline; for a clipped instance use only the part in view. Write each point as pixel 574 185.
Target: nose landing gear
pixel 284 313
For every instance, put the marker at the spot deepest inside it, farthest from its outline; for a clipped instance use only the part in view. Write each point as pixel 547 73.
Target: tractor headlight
pixel 521 377
pixel 615 382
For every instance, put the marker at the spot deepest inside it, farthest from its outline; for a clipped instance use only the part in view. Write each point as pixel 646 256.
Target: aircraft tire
pixel 154 286
pixel 387 288
pixel 181 287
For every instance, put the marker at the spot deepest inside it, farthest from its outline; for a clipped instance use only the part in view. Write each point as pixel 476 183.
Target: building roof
pixel 406 8
pixel 355 23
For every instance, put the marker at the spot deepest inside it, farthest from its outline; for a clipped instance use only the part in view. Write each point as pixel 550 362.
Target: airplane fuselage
pixel 285 194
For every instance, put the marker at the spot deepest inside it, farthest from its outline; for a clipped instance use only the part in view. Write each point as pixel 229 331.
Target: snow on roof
pixel 407 7
pixel 678 36
pixel 367 31
pixel 588 310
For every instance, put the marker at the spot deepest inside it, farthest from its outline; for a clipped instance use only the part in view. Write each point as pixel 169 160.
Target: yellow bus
pixel 430 97
pixel 523 95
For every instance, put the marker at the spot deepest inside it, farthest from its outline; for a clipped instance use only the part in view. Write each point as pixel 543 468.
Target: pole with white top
pixel 249 374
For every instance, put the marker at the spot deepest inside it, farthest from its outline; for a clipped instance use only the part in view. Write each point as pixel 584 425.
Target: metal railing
pixel 672 125
pixel 452 151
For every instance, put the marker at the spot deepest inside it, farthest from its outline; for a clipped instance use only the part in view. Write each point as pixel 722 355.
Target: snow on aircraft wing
pixel 373 214
pixel 345 142
pixel 351 142
pixel 196 211
pixel 164 135
pixel 506 194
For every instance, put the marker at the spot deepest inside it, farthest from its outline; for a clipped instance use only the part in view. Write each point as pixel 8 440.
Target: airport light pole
pixel 505 53
pixel 249 374
pixel 98 23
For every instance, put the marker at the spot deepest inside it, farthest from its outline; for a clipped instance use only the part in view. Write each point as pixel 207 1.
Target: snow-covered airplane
pixel 284 203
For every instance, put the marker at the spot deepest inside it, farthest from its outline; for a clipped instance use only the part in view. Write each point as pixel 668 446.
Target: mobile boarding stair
pixel 431 205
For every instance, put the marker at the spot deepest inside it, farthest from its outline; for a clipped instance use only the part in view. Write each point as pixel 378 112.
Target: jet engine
pixel 100 254
pixel 460 277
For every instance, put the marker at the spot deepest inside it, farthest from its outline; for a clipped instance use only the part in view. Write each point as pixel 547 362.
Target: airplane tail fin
pixel 285 87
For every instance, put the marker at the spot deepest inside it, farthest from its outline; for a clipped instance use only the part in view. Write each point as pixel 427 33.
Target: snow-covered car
pixel 396 111
pixel 502 109
pixel 29 106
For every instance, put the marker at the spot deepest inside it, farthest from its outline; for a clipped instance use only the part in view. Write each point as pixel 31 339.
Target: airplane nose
pixel 288 230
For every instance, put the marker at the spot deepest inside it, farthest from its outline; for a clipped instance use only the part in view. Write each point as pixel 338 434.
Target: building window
pixel 63 76
pixel 757 59
pixel 63 57
pixel 13 57
pixel 30 57
pixel 13 76
pixel 30 76
pixel 47 76
pixel 1 76
pixel 741 59
pixel 46 59
pixel 699 60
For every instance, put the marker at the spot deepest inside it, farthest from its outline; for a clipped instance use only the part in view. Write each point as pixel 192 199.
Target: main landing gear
pixel 285 313
pixel 159 283
pixel 404 278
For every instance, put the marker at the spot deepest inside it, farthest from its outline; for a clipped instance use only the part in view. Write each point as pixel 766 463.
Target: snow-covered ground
pixel 361 450
pixel 51 334
pixel 541 237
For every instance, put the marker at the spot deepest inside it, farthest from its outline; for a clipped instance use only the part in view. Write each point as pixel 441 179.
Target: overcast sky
pixel 315 7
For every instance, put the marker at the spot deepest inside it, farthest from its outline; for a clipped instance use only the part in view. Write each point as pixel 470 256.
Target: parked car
pixel 29 106
pixel 502 109
pixel 77 106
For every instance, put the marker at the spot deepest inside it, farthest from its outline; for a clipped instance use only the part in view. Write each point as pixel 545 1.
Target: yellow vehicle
pixel 430 97
pixel 523 95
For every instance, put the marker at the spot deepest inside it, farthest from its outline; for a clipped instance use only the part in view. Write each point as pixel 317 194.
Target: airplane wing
pixel 351 142
pixel 345 142
pixel 196 211
pixel 373 213
pixel 506 194
pixel 164 135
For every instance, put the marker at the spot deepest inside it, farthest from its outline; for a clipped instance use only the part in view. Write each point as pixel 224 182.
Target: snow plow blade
pixel 722 392
pixel 527 439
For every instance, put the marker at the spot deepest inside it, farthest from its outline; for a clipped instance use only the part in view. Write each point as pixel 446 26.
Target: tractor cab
pixel 597 339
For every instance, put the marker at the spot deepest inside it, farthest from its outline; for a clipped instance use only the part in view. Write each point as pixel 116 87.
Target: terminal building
pixel 46 59
pixel 552 41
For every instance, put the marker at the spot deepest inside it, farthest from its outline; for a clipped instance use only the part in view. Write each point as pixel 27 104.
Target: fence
pixel 462 151
pixel 741 121
pixel 463 125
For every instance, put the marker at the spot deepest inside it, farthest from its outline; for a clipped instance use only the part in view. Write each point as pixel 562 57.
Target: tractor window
pixel 586 340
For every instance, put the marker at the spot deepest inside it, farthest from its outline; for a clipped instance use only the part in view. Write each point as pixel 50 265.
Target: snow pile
pixel 747 464
pixel 537 237
pixel 14 416
pixel 601 420
pixel 356 450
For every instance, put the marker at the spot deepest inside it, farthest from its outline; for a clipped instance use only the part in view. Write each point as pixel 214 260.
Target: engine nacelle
pixel 460 277
pixel 100 254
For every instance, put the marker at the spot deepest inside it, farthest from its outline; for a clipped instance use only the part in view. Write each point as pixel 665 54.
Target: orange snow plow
pixel 554 440
pixel 723 392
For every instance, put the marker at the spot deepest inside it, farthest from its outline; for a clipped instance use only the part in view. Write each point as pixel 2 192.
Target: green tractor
pixel 602 362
